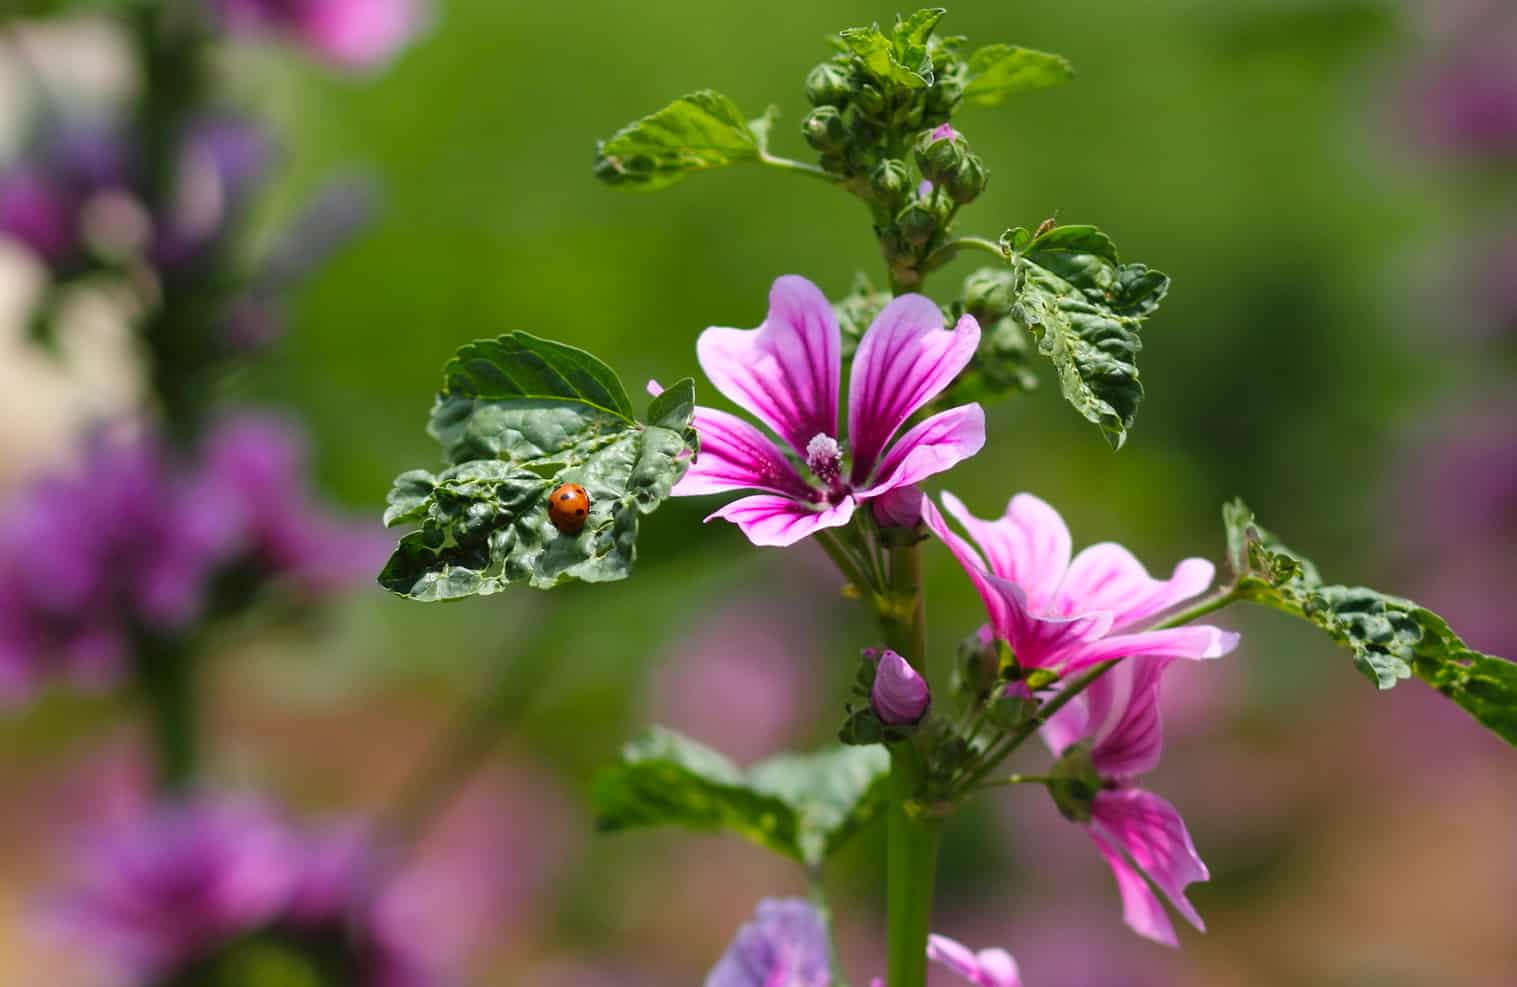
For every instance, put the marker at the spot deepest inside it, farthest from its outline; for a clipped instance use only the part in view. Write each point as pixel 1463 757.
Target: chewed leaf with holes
pixel 1391 638
pixel 519 416
pixel 803 806
pixel 1084 308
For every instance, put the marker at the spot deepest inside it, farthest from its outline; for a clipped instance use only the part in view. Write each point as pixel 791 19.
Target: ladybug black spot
pixel 580 512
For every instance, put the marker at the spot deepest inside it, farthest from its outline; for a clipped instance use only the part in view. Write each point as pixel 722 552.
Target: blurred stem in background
pixel 165 671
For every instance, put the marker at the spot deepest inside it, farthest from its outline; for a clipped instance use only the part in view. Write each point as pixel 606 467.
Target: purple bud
pixel 898 508
pixel 944 132
pixel 900 695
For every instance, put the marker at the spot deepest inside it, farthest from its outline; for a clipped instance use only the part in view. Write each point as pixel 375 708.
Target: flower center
pixel 824 457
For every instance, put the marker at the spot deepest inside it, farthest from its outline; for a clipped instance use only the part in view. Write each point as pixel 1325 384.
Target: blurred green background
pixel 1247 149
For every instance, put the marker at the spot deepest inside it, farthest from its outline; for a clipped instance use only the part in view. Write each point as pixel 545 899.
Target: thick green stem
pixel 166 676
pixel 912 836
pixel 912 840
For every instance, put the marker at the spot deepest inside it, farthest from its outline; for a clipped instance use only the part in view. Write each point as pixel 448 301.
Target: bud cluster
pixel 891 145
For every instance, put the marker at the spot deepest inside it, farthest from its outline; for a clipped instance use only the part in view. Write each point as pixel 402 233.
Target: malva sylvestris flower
pixel 787 373
pixel 351 34
pixel 1066 614
pixel 985 968
pixel 1118 714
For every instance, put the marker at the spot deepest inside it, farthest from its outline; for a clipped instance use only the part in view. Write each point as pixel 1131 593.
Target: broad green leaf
pixel 1391 638
pixel 694 133
pixel 801 806
pixel 997 71
pixel 518 416
pixel 1084 308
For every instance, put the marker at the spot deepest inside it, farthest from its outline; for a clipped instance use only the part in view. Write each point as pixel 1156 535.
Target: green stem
pixel 1018 780
pixel 911 863
pixel 817 887
pixel 799 167
pixel 166 677
pixel 950 250
pixel 846 562
pixel 912 837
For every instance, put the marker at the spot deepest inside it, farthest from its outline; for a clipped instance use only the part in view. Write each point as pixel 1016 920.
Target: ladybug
pixel 568 507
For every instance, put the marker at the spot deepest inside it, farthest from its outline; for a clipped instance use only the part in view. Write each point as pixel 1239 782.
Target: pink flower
pixel 986 968
pixel 352 34
pixel 1135 830
pixel 787 373
pixel 1068 614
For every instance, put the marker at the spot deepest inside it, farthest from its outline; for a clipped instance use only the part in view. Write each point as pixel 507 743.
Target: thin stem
pixel 950 250
pixel 166 678
pixel 1212 603
pixel 1018 780
pixel 844 559
pixel 817 886
pixel 799 167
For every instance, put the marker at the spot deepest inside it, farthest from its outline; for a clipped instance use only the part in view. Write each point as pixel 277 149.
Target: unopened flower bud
pixel 824 129
pixel 829 84
pixel 940 152
pixel 898 508
pixel 989 293
pixel 890 182
pixel 967 181
pixel 900 696
pixel 870 100
pixel 917 224
pixel 944 96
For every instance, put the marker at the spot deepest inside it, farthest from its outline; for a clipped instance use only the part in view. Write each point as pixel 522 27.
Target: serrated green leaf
pixel 697 132
pixel 1391 638
pixel 882 58
pixel 997 71
pixel 801 806
pixel 519 416
pixel 1084 309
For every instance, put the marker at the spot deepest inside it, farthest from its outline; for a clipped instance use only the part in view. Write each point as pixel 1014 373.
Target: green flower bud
pixel 870 100
pixel 824 129
pixel 1075 783
pixel 939 153
pixel 944 96
pixel 829 84
pixel 967 181
pixel 890 182
pixel 917 223
pixel 989 293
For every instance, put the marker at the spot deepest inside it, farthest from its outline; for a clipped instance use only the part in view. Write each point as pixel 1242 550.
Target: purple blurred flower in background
pixel 44 193
pixel 1068 614
pixel 352 34
pixel 216 884
pixel 223 160
pixel 1118 716
pixel 784 946
pixel 1464 104
pixel 986 968
pixel 129 544
pixel 787 373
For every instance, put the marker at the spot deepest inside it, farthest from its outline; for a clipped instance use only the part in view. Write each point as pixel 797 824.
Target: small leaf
pixel 519 416
pixel 697 132
pixel 1084 309
pixel 1391 638
pixel 997 71
pixel 801 806
pixel 899 57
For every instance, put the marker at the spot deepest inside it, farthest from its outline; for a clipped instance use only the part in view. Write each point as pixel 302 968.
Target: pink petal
pixel 1152 833
pixel 1120 713
pixel 939 443
pixel 1028 545
pixel 905 359
pixel 1141 908
pixel 987 968
pixel 359 33
pixel 967 557
pixel 1196 641
pixel 787 371
pixel 737 456
pixel 1108 577
pixel 768 519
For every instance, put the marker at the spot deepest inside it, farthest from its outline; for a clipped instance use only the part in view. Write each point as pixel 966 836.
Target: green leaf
pixel 697 132
pixel 997 71
pixel 518 416
pixel 802 806
pixel 900 57
pixel 1084 308
pixel 1391 638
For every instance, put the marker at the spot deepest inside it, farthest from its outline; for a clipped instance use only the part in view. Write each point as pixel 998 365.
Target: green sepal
pixel 518 416
pixel 1084 308
pixel 1074 782
pixel 803 806
pixel 1391 638
pixel 998 71
pixel 697 132
pixel 861 728
pixel 1008 711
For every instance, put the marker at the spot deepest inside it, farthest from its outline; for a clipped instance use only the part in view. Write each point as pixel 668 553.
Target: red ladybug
pixel 568 507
